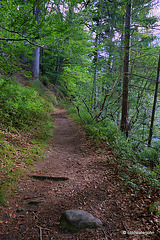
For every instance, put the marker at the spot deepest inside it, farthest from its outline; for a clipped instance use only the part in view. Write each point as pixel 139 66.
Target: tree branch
pixel 87 108
pixel 105 98
pixel 11 31
pixel 18 39
pixel 21 39
pixel 80 115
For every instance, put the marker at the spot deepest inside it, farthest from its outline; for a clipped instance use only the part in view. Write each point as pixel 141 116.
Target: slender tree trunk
pixel 120 84
pixel 23 56
pixel 154 104
pixel 36 52
pixel 96 57
pixel 59 58
pixel 95 60
pixel 35 63
pixel 57 69
pixel 94 91
pixel 110 51
pixel 124 118
pixel 42 61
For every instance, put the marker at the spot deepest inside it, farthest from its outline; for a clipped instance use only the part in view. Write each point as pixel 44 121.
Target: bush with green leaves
pixel 21 106
pixel 149 156
pixel 25 126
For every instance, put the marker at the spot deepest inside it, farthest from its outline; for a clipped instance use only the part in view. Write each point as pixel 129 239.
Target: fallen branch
pixel 33 197
pixel 49 178
pixel 35 215
pixel 35 202
pixel 40 229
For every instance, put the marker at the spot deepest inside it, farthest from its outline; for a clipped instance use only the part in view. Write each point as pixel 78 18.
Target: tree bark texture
pixel 124 118
pixel 36 52
pixel 24 57
pixel 35 63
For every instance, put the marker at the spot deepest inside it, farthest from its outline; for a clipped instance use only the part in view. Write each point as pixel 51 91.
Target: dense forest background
pixel 102 57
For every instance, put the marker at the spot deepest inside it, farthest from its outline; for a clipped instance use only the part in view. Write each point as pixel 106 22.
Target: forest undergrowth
pixel 141 176
pixel 25 126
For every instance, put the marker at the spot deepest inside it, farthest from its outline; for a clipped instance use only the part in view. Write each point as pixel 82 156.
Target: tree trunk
pixel 154 104
pixel 42 61
pixel 94 91
pixel 35 63
pixel 95 61
pixel 124 118
pixel 36 52
pixel 23 56
pixel 120 84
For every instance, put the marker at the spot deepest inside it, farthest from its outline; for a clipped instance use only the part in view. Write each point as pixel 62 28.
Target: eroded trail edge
pixel 93 186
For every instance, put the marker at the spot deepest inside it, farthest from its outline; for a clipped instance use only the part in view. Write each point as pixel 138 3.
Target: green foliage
pixel 83 57
pixel 3 198
pixel 16 155
pixel 25 126
pixel 155 208
pixel 129 161
pixel 20 106
pixel 149 157
pixel 45 80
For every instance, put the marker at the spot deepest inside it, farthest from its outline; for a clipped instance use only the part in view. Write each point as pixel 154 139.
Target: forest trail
pixel 93 186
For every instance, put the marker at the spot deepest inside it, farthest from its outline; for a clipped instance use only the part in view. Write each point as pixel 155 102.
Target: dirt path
pixel 93 186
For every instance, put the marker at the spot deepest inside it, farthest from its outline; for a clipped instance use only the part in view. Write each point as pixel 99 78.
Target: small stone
pixel 78 219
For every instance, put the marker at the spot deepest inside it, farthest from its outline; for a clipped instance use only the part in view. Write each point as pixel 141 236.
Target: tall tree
pixel 23 56
pixel 36 51
pixel 124 118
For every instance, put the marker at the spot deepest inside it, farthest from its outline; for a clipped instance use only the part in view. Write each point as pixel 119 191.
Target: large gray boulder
pixel 78 219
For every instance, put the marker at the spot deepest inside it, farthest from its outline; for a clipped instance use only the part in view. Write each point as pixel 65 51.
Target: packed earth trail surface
pixel 93 185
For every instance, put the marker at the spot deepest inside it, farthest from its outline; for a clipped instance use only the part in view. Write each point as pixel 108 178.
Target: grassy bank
pixel 26 125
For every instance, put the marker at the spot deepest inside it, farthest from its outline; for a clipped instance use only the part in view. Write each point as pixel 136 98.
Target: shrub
pixel 25 125
pixel 20 106
pixel 149 157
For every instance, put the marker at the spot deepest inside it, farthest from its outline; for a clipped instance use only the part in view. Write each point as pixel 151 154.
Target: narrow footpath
pixel 93 186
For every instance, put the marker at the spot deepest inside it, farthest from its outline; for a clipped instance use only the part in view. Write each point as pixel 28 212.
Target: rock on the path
pixel 78 219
